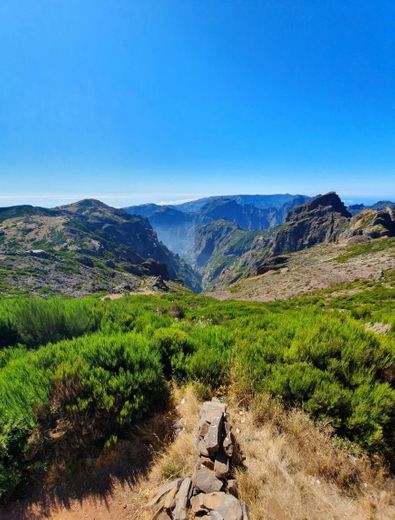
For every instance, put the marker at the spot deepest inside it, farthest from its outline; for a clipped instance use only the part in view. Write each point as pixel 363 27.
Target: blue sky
pixel 154 100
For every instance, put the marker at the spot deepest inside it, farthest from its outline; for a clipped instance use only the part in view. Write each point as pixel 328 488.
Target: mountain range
pixel 208 244
pixel 176 225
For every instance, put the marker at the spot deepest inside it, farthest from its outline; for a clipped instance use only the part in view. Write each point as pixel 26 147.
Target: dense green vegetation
pixel 79 372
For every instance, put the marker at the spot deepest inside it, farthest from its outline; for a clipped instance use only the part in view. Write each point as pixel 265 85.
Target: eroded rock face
pixel 371 224
pixel 319 220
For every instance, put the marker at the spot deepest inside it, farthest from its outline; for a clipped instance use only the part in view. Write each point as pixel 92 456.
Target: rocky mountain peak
pixel 330 202
pixel 318 220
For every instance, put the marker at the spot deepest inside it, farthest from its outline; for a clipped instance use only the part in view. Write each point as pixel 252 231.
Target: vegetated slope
pixel 177 225
pixel 106 367
pixel 82 248
pixel 223 251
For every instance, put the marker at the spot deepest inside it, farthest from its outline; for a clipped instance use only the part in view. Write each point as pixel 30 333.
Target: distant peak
pixel 91 202
pixel 85 204
pixel 331 201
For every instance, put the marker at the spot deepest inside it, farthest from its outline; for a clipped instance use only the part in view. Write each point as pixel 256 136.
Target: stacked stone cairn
pixel 211 493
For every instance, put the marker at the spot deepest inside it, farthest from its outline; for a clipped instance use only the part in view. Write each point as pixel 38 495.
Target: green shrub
pixel 42 321
pixel 313 351
pixel 210 363
pixel 8 331
pixel 97 385
pixel 324 364
pixel 174 346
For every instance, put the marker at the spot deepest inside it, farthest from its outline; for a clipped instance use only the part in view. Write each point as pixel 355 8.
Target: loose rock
pixel 207 502
pixel 170 500
pixel 209 494
pixel 230 508
pixel 221 465
pixel 206 461
pixel 163 516
pixel 180 510
pixel 164 490
pixel 246 513
pixel 206 481
pixel 232 487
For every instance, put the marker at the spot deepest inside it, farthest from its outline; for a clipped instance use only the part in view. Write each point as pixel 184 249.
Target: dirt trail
pixel 103 488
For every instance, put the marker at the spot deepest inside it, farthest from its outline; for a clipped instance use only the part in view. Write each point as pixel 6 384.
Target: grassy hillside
pixel 86 371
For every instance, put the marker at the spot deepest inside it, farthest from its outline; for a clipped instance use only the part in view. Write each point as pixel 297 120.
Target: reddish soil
pixel 102 488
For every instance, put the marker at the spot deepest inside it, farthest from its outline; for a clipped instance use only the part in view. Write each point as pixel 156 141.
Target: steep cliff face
pixel 220 249
pixel 319 220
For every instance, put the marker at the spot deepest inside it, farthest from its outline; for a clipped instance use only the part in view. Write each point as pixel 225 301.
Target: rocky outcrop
pixel 211 493
pixel 177 226
pixel 319 220
pixel 370 224
pixel 273 264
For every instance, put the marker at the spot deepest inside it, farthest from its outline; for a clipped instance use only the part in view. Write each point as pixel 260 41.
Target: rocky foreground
pixel 210 492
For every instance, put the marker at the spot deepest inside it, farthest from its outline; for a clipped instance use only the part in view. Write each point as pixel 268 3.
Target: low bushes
pixel 313 352
pixel 35 322
pixel 83 389
pixel 210 362
pixel 328 365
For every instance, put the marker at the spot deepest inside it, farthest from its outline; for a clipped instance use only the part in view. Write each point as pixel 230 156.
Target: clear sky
pixel 162 100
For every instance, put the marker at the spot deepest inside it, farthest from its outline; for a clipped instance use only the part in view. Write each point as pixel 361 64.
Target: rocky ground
pixel 319 267
pixel 45 275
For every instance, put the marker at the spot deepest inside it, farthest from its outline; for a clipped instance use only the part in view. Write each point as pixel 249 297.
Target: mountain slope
pixel 259 201
pixel 321 220
pixel 81 248
pixel 177 225
pixel 221 252
pixel 341 266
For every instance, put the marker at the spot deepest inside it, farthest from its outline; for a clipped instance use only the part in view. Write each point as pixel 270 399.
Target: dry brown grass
pixel 309 270
pixel 179 457
pixel 294 469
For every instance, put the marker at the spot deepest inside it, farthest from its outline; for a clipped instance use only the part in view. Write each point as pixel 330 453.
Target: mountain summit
pixel 318 220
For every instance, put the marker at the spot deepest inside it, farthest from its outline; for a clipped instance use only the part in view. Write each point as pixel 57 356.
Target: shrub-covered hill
pixel 78 372
pixel 82 248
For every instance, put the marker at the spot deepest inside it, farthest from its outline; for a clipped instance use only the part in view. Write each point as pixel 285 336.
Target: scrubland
pixel 309 378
